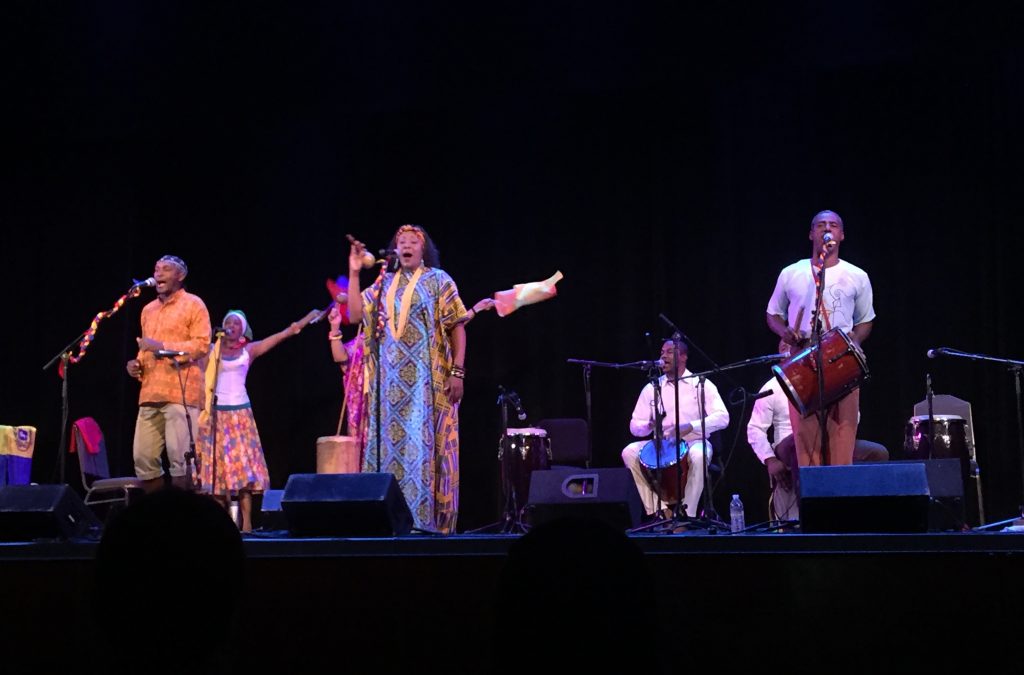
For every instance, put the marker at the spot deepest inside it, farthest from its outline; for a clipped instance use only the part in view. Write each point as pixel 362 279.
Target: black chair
pixel 100 487
pixel 568 436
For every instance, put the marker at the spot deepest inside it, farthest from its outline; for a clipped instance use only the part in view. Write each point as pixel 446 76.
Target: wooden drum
pixel 338 454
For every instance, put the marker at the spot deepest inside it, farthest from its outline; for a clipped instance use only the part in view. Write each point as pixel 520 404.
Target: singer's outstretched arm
pixel 261 347
pixel 355 295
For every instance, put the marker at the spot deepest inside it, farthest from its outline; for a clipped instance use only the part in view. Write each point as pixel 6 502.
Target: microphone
pixel 939 351
pixel 387 258
pixel 169 353
pixel 150 282
pixel 828 239
pixel 761 394
pixel 660 363
pixel 514 398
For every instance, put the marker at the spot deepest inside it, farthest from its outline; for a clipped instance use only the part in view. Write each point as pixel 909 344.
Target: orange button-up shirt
pixel 181 323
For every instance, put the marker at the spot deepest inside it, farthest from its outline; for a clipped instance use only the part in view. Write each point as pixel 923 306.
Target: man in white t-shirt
pixel 716 418
pixel 847 305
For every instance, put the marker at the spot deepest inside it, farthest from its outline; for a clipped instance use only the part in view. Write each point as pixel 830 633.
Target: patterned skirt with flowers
pixel 238 462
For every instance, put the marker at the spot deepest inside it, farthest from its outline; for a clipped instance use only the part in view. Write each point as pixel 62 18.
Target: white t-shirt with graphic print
pixel 847 299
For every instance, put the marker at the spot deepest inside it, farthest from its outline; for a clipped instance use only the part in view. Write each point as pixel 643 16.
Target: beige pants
pixel 841 428
pixel 156 428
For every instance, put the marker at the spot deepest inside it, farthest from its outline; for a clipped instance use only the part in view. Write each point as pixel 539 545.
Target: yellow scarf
pixel 210 381
pixel 403 318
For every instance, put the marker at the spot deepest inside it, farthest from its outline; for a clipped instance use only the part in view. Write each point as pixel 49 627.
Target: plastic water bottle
pixel 736 520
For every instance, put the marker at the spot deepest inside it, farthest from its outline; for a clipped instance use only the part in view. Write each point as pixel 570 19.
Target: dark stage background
pixel 666 157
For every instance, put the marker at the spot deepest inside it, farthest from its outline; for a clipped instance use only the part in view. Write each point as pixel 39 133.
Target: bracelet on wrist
pixel 334 337
pixel 458 371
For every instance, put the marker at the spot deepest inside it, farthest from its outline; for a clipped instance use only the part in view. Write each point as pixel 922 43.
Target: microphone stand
pixel 378 335
pixel 64 356
pixel 819 361
pixel 66 359
pixel 654 377
pixel 511 520
pixel 213 422
pixel 650 366
pixel 1015 366
pixel 587 366
pixel 710 519
pixel 191 461
pixel 931 415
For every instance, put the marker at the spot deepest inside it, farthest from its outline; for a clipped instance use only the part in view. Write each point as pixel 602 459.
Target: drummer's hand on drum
pixel 778 472
pixel 792 337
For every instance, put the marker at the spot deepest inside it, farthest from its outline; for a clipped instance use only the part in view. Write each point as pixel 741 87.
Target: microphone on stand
pixel 388 258
pixel 169 353
pixel 514 398
pixel 150 282
pixel 828 239
pixel 938 351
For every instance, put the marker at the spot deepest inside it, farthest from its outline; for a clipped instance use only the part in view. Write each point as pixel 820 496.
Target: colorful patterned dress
pixel 238 461
pixel 419 425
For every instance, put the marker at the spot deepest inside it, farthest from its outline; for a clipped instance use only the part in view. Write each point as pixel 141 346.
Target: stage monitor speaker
pixel 946 509
pixel 884 497
pixel 270 516
pixel 30 512
pixel 345 505
pixel 605 494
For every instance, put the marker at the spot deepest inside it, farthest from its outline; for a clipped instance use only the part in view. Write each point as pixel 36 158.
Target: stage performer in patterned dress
pixel 415 313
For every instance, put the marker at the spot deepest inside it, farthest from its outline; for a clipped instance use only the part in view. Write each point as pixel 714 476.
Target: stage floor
pixel 778 602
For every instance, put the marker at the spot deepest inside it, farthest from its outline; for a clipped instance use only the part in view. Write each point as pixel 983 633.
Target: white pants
pixel 694 476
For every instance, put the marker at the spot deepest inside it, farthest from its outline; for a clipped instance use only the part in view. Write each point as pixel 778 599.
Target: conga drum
pixel 521 452
pixel 338 454
pixel 950 438
pixel 668 485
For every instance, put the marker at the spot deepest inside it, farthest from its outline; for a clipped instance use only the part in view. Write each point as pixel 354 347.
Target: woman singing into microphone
pixel 419 318
pixel 231 461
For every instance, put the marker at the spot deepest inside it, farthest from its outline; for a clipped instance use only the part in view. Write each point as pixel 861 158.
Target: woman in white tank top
pixel 231 455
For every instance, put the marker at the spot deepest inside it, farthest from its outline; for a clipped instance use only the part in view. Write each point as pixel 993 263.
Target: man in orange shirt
pixel 176 321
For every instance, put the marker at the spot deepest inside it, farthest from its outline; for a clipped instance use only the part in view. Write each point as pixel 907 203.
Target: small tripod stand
pixel 511 521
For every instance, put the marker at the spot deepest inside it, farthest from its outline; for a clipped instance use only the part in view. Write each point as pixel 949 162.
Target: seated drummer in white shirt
pixel 642 424
pixel 779 455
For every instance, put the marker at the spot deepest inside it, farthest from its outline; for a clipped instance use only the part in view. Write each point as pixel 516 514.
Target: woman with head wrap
pixel 416 315
pixel 231 456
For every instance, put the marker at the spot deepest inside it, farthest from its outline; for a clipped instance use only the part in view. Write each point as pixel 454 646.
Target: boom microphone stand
pixel 66 359
pixel 1015 367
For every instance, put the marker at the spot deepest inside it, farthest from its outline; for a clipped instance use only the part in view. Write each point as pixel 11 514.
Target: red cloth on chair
pixel 92 437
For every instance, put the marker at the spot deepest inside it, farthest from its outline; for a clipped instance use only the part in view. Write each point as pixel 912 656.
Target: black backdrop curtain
pixel 666 157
